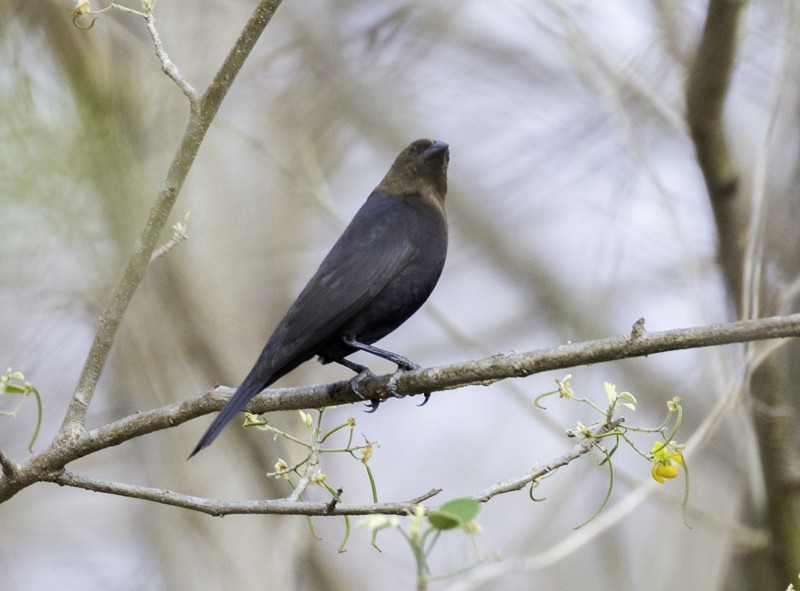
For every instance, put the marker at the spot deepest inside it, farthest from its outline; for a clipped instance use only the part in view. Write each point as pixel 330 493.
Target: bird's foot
pixel 405 364
pixel 391 385
pixel 355 383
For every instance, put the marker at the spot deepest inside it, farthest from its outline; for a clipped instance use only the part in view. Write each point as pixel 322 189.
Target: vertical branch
pixel 707 88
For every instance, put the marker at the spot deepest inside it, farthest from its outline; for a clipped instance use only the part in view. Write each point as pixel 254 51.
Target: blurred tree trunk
pixel 757 266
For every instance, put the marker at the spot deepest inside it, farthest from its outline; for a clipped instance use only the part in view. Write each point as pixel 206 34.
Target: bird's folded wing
pixel 359 266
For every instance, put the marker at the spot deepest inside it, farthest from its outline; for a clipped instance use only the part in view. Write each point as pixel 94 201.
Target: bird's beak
pixel 434 149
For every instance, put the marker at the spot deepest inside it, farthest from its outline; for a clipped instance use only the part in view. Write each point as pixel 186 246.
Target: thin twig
pixel 167 66
pixel 515 484
pixel 218 507
pixel 308 474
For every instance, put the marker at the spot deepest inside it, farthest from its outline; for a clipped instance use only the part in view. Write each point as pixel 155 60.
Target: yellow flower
pixel 664 458
pixel 366 452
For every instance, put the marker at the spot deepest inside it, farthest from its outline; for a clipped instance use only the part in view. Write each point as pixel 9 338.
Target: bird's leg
pixel 398 360
pixel 402 363
pixel 352 365
pixel 363 373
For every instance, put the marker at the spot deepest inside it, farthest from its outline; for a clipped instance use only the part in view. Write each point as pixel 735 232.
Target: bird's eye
pixel 413 149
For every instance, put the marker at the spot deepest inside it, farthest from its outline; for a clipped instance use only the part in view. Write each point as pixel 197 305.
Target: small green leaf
pixel 441 520
pixel 455 513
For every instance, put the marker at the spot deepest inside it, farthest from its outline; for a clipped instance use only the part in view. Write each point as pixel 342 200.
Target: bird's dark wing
pixel 353 273
pixel 370 253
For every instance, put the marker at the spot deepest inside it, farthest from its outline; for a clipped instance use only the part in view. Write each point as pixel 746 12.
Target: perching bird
pixel 380 271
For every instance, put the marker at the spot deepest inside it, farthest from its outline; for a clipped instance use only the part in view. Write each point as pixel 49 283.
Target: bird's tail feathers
pixel 236 404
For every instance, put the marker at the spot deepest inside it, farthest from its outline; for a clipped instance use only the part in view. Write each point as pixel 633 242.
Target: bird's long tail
pixel 236 404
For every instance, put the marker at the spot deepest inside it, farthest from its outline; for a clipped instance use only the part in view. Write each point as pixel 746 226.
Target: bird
pixel 377 274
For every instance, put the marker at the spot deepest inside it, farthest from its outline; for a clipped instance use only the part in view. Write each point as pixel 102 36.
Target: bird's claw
pixel 355 386
pixel 391 385
pixel 355 383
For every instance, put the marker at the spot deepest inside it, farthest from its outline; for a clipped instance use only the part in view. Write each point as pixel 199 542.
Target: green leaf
pixel 455 513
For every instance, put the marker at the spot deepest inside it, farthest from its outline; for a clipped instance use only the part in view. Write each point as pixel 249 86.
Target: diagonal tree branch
pixel 202 112
pixel 515 484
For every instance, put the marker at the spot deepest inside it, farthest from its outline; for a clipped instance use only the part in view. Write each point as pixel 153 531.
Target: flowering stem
pixel 607 460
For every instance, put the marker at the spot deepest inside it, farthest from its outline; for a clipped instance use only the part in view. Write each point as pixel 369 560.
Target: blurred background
pixel 575 206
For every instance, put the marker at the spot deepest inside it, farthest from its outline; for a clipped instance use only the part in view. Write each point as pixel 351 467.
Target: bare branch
pixel 498 367
pixel 706 91
pixel 481 371
pixel 308 474
pixel 201 115
pixel 219 508
pixel 292 506
pixel 169 68
pixel 48 464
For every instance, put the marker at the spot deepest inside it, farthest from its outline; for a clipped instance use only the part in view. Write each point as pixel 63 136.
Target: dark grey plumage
pixel 380 271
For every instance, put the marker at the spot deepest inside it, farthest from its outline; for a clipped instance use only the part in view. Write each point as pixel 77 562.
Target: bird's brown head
pixel 419 169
